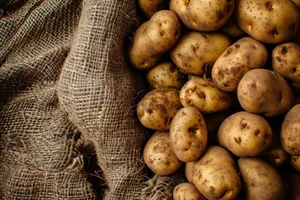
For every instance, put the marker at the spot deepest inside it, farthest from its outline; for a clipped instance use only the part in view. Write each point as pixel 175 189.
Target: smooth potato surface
pixel 150 7
pixel 187 191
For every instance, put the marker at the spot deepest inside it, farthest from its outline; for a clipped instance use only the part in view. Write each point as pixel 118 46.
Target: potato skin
pixel 286 62
pixel 203 94
pixel 232 29
pixel 290 131
pixel 260 180
pixel 265 92
pixel 245 134
pixel 269 21
pixel 195 52
pixel 150 7
pixel 295 162
pixel 187 191
pixel 214 174
pixel 188 134
pixel 158 107
pixel 154 38
pixel 242 56
pixel 159 155
pixel 203 15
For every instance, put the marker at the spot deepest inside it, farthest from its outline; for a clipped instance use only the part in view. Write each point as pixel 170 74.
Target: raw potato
pixel 265 92
pixel 232 29
pixel 165 75
pixel 203 15
pixel 158 107
pixel 295 162
pixel 260 180
pixel 297 2
pixel 244 55
pixel 150 7
pixel 154 38
pixel 187 191
pixel 214 174
pixel 159 155
pixel 195 53
pixel 188 134
pixel 290 131
pixel 203 94
pixel 269 21
pixel 286 62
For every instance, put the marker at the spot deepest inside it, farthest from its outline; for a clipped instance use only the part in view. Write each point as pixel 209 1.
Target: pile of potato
pixel 223 78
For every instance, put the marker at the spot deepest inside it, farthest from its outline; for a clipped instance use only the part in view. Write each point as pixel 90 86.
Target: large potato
pixel 187 191
pixel 154 38
pixel 214 174
pixel 159 155
pixel 290 131
pixel 158 107
pixel 295 162
pixel 265 92
pixel 245 134
pixel 203 94
pixel 188 134
pixel 269 21
pixel 203 15
pixel 260 180
pixel 244 55
pixel 195 52
pixel 150 7
pixel 286 61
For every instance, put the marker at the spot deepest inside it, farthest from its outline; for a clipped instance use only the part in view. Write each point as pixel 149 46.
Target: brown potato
pixel 295 162
pixel 297 2
pixel 269 21
pixel 265 92
pixel 154 38
pixel 165 75
pixel 214 174
pixel 203 15
pixel 290 131
pixel 286 62
pixel 232 29
pixel 158 107
pixel 150 7
pixel 260 180
pixel 159 155
pixel 203 94
pixel 188 134
pixel 244 55
pixel 187 191
pixel 195 53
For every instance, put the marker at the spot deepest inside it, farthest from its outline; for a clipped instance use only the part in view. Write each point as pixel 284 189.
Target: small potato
pixel 265 92
pixel 260 180
pixel 188 134
pixel 158 107
pixel 245 134
pixel 159 155
pixel 290 131
pixel 214 174
pixel 187 191
pixel 244 55
pixel 286 62
pixel 150 7
pixel 203 15
pixel 165 75
pixel 269 21
pixel 195 53
pixel 154 38
pixel 295 162
pixel 203 94
pixel 232 29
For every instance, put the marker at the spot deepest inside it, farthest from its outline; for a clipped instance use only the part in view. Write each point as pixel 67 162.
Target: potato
pixel 232 29
pixel 195 53
pixel 165 75
pixel 154 38
pixel 244 55
pixel 150 7
pixel 265 92
pixel 295 162
pixel 297 2
pixel 203 15
pixel 159 155
pixel 290 131
pixel 286 62
pixel 269 21
pixel 214 174
pixel 187 191
pixel 158 107
pixel 188 134
pixel 260 180
pixel 245 134
pixel 203 94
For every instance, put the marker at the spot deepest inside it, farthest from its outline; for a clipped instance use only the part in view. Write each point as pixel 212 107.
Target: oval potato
pixel 187 191
pixel 150 7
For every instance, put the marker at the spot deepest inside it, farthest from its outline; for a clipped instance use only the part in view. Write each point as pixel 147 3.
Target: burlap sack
pixel 65 84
